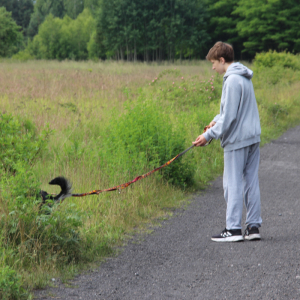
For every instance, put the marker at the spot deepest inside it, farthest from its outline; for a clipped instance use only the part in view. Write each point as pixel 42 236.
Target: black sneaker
pixel 234 235
pixel 252 234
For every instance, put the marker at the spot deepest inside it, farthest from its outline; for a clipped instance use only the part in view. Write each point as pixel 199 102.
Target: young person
pixel 238 128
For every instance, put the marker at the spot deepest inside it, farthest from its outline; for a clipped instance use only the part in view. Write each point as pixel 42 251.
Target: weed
pixel 11 285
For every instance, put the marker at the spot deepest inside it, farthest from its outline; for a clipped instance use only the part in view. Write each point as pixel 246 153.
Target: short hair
pixel 219 50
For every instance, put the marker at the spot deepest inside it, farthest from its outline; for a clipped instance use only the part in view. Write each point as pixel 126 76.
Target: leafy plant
pixel 19 142
pixel 11 285
pixel 34 234
pixel 271 59
pixel 144 137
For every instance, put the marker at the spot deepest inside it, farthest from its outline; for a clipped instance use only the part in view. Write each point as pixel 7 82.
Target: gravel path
pixel 179 261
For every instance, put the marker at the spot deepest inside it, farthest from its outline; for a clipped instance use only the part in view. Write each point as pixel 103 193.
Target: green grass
pixel 112 122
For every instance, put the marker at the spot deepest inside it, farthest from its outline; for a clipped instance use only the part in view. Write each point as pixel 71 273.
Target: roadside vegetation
pixel 99 125
pixel 155 30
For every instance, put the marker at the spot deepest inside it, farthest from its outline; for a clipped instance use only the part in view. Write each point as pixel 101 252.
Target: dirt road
pixel 179 261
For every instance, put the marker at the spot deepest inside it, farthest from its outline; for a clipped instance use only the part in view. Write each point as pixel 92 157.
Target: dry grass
pixel 47 92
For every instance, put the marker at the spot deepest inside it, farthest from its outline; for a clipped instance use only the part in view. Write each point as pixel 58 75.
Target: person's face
pixel 219 65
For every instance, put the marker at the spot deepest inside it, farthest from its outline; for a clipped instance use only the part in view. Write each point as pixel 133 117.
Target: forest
pixel 152 30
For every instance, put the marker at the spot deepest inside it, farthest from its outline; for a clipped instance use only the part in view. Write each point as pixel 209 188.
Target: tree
pixel 58 8
pixel 73 7
pixel 222 24
pixel 10 35
pixel 93 6
pixel 75 36
pixel 152 29
pixel 63 38
pixel 21 11
pixel 192 35
pixel 269 25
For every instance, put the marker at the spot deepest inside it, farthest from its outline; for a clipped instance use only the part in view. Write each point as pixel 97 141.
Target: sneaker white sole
pixel 235 238
pixel 251 237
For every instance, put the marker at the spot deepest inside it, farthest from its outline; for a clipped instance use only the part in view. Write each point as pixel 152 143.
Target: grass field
pixel 111 122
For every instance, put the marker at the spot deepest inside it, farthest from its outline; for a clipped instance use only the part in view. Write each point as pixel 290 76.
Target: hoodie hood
pixel 238 69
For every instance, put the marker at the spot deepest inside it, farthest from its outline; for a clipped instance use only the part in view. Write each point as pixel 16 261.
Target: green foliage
pixel 152 30
pixel 272 58
pixel 156 30
pixel 19 143
pixel 57 8
pixel 63 38
pixel 21 11
pixel 23 223
pixel 143 138
pixel 93 5
pixel 93 47
pixel 23 55
pixel 222 23
pixel 276 110
pixel 34 234
pixel 269 25
pixel 277 67
pixel 10 285
pixel 50 234
pixel 10 37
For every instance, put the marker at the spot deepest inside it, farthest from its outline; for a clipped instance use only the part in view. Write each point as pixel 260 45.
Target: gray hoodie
pixel 238 123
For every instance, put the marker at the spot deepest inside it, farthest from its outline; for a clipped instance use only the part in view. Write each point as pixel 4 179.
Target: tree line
pixel 146 30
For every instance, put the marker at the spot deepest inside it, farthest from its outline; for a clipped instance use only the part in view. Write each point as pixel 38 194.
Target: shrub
pixel 23 55
pixel 143 137
pixel 10 285
pixel 272 58
pixel 34 234
pixel 273 67
pixel 50 234
pixel 19 142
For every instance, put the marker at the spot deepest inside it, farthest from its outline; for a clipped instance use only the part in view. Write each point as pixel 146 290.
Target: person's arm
pixel 216 118
pixel 229 113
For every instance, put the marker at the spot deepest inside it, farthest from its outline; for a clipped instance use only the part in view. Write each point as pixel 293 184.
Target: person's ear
pixel 222 60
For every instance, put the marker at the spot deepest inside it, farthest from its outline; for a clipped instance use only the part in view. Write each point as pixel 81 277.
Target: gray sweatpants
pixel 240 182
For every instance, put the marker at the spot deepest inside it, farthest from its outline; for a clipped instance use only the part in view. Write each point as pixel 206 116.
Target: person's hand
pixel 200 141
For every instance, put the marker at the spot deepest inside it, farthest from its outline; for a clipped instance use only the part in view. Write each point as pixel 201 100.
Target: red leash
pixel 125 185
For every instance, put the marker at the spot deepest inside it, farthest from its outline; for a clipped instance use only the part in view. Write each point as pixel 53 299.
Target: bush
pixel 23 55
pixel 19 143
pixel 273 67
pixel 34 235
pixel 10 285
pixel 47 235
pixel 24 226
pixel 272 58
pixel 142 138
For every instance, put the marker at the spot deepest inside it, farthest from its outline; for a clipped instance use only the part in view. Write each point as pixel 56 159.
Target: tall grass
pixel 114 121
